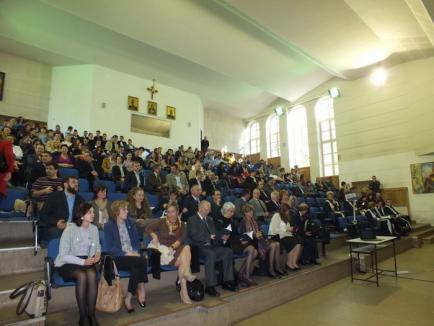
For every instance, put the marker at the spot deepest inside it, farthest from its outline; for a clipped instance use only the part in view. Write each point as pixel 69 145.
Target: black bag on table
pixel 367 233
pixel 353 230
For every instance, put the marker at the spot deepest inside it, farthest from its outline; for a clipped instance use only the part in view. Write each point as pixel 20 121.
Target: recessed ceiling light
pixel 334 92
pixel 278 110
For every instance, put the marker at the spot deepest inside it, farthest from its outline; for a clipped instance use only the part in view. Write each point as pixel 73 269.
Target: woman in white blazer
pixel 280 225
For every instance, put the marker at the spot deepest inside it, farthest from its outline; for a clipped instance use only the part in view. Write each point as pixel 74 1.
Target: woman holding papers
pixel 168 236
pixel 280 225
pixel 253 235
pixel 230 237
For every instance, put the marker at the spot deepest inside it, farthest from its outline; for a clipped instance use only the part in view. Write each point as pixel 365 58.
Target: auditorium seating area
pixel 31 258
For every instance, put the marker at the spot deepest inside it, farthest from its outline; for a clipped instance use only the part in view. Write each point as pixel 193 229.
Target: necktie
pixel 262 206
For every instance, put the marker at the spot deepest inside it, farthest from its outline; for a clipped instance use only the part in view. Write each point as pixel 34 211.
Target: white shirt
pixel 178 181
pixel 138 179
pixel 277 226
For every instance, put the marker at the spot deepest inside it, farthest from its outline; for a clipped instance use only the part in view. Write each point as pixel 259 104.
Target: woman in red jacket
pixel 6 164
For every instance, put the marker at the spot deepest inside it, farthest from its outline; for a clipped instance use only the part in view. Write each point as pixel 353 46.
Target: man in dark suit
pixel 204 144
pixel 273 205
pixel 59 209
pixel 201 233
pixel 374 185
pixel 239 203
pixel 134 178
pixel 154 180
pixel 264 196
pixel 86 168
pixel 251 182
pixel 191 203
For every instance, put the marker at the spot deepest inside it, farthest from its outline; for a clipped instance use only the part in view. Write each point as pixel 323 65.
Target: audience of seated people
pixel 244 197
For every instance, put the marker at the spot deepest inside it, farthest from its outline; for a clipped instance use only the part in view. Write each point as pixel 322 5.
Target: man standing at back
pixel 201 233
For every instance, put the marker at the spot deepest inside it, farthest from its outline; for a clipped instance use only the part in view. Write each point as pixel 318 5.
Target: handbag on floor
pixel 110 297
pixel 195 289
pixel 33 299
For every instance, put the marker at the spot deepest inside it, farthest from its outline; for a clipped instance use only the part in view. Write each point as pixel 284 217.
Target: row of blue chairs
pixel 7 203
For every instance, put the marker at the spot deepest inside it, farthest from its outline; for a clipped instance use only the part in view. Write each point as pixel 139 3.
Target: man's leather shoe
pixel 229 287
pixel 210 290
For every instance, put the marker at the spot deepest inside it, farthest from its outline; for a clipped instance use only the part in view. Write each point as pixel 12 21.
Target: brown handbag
pixel 110 297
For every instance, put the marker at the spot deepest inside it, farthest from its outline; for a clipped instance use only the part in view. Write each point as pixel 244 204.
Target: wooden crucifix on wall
pixel 152 89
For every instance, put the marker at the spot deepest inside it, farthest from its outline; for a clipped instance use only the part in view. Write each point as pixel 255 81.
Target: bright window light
pixel 378 76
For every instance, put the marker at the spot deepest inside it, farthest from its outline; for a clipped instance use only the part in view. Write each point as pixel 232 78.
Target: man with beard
pixel 59 209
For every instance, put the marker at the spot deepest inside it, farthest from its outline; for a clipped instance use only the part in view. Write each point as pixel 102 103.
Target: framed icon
pixel 152 108
pixel 133 103
pixel 2 84
pixel 170 112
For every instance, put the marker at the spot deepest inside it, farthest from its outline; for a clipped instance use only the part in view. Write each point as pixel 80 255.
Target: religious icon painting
pixel 133 103
pixel 2 84
pixel 152 108
pixel 170 112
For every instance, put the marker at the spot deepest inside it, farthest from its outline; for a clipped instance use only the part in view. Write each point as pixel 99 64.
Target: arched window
pixel 273 136
pixel 325 117
pixel 251 137
pixel 298 142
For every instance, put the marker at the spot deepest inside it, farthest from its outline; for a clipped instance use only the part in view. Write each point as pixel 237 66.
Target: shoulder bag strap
pixel 115 269
pixel 20 290
pixel 21 307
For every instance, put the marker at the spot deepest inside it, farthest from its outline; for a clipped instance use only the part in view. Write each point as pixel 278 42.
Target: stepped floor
pixel 398 302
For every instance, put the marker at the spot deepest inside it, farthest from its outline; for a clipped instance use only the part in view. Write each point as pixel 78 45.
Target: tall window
pixel 298 142
pixel 325 116
pixel 251 138
pixel 273 136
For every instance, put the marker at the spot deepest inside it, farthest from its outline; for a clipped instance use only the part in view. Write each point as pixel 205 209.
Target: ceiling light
pixel 378 76
pixel 334 92
pixel 278 110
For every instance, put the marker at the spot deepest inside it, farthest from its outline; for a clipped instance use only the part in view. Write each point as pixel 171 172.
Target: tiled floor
pixel 397 302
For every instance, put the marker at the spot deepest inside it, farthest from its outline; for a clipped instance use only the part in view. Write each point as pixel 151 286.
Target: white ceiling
pixel 238 55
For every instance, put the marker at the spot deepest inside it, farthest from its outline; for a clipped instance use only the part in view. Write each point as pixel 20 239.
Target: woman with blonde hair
pixel 169 233
pixel 122 242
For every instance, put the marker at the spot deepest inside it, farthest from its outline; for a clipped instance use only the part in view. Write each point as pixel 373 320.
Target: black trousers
pixel 138 268
pixel 310 250
pixel 213 255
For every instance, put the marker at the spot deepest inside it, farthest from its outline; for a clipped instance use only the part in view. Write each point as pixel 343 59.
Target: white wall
pixel 27 87
pixel 99 85
pixel 71 97
pixel 380 129
pixel 223 130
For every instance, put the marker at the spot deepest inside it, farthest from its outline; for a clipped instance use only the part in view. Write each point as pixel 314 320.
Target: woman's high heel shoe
pixel 282 273
pixel 141 304
pixel 129 310
pixel 273 275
